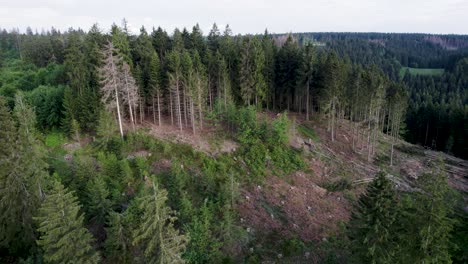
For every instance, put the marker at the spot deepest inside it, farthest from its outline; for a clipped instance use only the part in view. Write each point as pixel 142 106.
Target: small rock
pixel 324 239
pixel 282 202
pixel 259 187
pixel 280 256
pixel 272 216
pixel 251 250
pixel 248 230
pixel 307 255
pixel 247 197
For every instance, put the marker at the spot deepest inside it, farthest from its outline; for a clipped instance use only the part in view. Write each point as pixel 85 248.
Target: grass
pixel 421 71
pixel 55 139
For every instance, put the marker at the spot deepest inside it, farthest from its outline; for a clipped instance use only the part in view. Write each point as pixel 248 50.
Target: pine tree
pixel 246 72
pixel 372 223
pixel 156 235
pixel 98 203
pixel 118 242
pixel 107 128
pixel 154 85
pixel 175 82
pixel 204 247
pixel 21 176
pixel 8 163
pixel 307 70
pixel 200 85
pixel 433 210
pixel 63 237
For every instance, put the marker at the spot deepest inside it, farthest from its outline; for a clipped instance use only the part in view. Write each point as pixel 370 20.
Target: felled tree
pixel 63 238
pixel 156 235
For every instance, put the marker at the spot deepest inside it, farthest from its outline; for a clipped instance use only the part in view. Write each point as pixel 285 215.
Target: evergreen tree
pixel 372 222
pixel 203 247
pixel 98 203
pixel 154 84
pixel 433 210
pixel 22 175
pixel 156 235
pixel 118 242
pixel 63 236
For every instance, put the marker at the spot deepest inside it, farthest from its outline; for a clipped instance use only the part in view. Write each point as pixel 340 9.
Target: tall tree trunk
pixel 171 107
pixel 185 101
pixel 154 110
pixel 192 114
pixel 178 105
pixel 118 111
pixel 307 102
pixel 159 108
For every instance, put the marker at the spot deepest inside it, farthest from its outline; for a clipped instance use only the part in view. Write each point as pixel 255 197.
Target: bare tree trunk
pixel 178 105
pixel 142 111
pixel 307 102
pixel 200 112
pixel 369 136
pixel 185 101
pixel 154 110
pixel 209 94
pixel 159 109
pixel 171 107
pixel 118 110
pixel 192 113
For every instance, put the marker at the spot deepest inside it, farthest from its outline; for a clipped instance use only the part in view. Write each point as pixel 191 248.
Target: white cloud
pixel 244 16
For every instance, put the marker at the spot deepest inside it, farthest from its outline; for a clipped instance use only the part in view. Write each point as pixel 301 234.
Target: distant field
pixel 421 71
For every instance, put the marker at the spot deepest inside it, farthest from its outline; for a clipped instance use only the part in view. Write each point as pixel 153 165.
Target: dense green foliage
pixel 411 227
pixel 73 190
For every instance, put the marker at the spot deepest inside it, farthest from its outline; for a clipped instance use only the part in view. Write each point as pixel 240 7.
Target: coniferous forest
pixel 210 147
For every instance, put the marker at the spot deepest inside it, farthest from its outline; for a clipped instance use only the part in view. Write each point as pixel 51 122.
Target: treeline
pixel 437 114
pixel 154 76
pixel 411 49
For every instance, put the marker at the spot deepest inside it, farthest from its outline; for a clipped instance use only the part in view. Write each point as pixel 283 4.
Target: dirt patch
pixel 161 166
pixel 297 206
pixel 202 140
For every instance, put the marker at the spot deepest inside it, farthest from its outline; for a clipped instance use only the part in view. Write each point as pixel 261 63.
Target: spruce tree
pixel 21 176
pixel 156 234
pixel 154 86
pixel 372 221
pixel 433 210
pixel 98 203
pixel 118 242
pixel 63 238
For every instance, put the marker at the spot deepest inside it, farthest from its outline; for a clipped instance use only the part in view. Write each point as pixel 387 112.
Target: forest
pixel 85 176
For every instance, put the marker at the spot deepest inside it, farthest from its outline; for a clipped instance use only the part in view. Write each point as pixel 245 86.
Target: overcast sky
pixel 244 16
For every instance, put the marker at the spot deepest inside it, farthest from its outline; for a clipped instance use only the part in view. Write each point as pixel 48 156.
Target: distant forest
pixel 437 108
